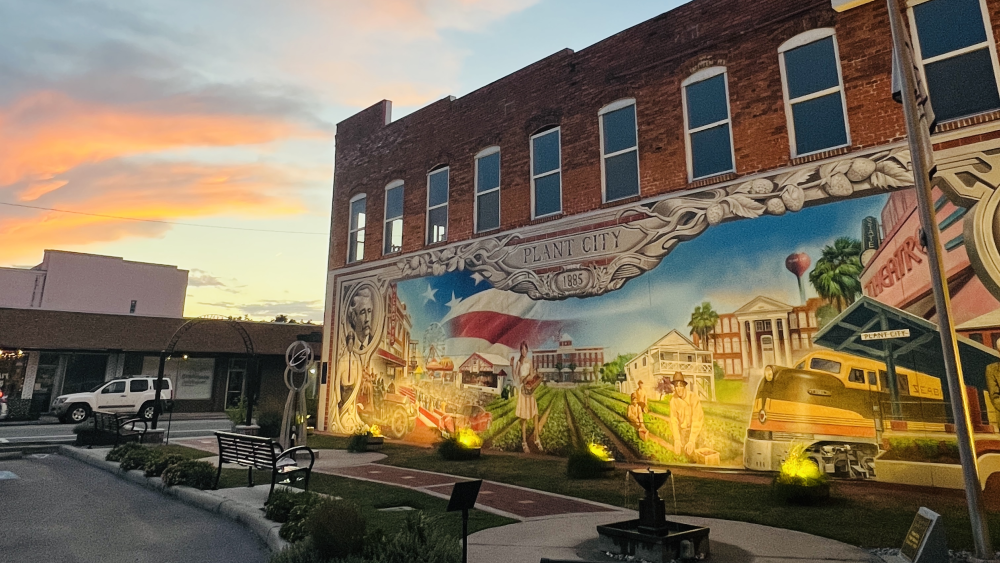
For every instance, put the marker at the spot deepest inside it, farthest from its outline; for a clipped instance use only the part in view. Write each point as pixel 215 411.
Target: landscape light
pixel 375 431
pixel 599 451
pixel 801 466
pixel 468 439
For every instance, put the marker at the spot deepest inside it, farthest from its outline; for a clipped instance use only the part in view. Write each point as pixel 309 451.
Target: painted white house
pixel 90 283
pixel 671 354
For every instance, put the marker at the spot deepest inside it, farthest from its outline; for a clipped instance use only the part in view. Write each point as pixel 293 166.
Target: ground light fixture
pixel 600 452
pixel 375 431
pixel 469 439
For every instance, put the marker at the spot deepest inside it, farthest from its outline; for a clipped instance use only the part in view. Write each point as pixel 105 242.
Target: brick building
pixel 567 362
pixel 582 171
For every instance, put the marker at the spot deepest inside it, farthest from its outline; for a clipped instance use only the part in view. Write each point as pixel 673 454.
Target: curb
pixel 251 518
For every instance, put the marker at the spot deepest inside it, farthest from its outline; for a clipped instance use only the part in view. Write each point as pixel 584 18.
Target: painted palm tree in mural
pixel 703 321
pixel 837 275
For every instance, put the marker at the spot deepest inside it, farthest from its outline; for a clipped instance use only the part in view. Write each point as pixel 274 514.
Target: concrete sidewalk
pixel 560 527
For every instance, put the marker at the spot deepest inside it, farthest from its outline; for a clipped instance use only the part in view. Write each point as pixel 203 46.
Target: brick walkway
pixel 498 498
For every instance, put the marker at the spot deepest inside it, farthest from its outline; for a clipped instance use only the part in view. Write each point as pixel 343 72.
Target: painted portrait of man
pixel 360 313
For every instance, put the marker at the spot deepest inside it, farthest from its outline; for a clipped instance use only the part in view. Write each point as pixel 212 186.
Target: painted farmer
pixel 687 418
pixel 634 415
pixel 640 397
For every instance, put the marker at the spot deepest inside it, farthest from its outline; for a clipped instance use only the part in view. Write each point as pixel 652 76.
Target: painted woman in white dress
pixel 527 407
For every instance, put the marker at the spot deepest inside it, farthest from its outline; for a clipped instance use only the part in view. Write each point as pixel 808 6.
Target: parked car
pixel 133 395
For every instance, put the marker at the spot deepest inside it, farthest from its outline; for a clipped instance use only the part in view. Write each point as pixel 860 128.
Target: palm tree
pixel 837 275
pixel 703 321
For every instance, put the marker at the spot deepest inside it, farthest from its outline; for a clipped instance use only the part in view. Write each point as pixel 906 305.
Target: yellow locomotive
pixel 839 405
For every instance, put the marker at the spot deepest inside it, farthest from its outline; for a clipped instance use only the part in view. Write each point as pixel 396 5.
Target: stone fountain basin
pixel 625 538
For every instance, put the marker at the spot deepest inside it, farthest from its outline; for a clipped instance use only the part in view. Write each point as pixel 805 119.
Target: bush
pixel 159 462
pixel 583 464
pixel 337 529
pixel 452 450
pixel 284 500
pixel 419 541
pixel 237 413
pixel 294 529
pixel 301 552
pixel 270 424
pixel 117 453
pixel 358 443
pixel 136 458
pixel 197 474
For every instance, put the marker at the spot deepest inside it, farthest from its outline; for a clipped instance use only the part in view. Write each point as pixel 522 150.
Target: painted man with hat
pixel 687 418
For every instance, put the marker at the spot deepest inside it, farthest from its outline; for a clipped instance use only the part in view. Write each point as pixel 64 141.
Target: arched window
pixel 707 123
pixel 356 229
pixel 546 173
pixel 813 87
pixel 393 239
pixel 619 150
pixel 488 189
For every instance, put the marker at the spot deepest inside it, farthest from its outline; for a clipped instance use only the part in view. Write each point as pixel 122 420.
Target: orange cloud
pixel 158 191
pixel 45 134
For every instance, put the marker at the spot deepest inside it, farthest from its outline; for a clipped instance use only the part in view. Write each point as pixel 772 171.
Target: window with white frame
pixel 815 106
pixel 546 174
pixel 488 189
pixel 707 121
pixel 955 46
pixel 437 206
pixel 619 150
pixel 393 240
pixel 356 230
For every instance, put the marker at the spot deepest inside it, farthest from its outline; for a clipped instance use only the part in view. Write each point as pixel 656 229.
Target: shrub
pixel 284 500
pixel 237 413
pixel 136 458
pixel 337 529
pixel 584 464
pixel 453 449
pixel 358 442
pixel 270 424
pixel 301 552
pixel 159 462
pixel 420 540
pixel 192 473
pixel 117 453
pixel 294 529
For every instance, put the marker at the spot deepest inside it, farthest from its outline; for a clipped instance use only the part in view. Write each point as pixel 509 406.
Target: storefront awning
pixel 391 358
pixel 920 351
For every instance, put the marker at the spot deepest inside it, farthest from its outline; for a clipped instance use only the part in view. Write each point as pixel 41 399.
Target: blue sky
pixel 222 113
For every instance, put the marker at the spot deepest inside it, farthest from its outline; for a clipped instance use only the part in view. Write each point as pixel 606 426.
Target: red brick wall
pixel 647 62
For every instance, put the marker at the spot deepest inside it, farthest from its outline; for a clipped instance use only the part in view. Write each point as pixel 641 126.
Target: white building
pixel 671 354
pixel 89 283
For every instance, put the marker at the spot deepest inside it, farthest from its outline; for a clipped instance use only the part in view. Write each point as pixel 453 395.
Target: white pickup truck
pixel 133 395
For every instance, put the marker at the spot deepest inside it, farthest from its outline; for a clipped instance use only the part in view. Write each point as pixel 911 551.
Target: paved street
pixel 62 510
pixel 63 432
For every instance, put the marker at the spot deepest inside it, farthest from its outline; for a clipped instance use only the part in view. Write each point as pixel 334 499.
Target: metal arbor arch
pixel 172 346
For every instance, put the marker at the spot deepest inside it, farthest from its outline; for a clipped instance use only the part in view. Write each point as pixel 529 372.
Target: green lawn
pixel 188 453
pixel 370 497
pixel 858 514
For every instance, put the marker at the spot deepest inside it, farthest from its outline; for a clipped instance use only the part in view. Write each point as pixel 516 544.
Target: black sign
pixel 870 239
pixel 464 495
pixel 622 377
pixel 916 536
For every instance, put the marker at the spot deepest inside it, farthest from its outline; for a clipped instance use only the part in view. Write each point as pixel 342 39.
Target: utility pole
pixel 919 119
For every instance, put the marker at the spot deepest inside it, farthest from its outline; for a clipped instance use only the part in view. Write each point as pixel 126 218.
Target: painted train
pixel 839 406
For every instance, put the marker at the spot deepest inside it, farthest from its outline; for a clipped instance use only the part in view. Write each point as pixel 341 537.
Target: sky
pixel 728 265
pixel 222 113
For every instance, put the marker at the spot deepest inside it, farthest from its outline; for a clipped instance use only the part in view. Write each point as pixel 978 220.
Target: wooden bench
pixel 121 427
pixel 254 452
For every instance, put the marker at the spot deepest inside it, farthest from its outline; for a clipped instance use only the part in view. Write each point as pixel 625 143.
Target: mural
pixel 650 332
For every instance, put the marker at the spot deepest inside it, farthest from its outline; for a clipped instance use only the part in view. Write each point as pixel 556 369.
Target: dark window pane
pixel 393 236
pixel 819 124
pixel 438 188
pixel 394 202
pixel 811 68
pixel 489 172
pixel 706 102
pixel 621 175
pixel 358 214
pixel 963 85
pixel 138 385
pixel 488 211
pixel 545 151
pixel 437 224
pixel 944 26
pixel 711 152
pixel 548 198
pixel 619 129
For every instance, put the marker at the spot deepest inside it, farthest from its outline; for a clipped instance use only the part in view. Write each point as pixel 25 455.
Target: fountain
pixel 652 537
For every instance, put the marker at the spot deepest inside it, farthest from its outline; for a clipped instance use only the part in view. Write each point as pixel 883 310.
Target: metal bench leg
pixel 250 476
pixel 274 477
pixel 308 473
pixel 218 475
